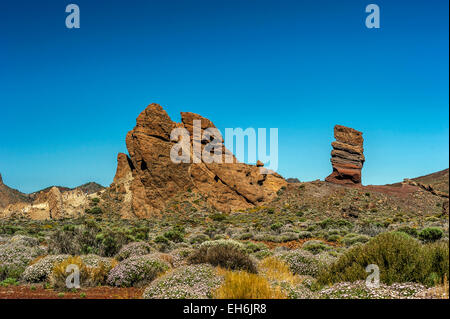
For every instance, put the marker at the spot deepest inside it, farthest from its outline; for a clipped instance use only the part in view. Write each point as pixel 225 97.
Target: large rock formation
pixel 148 178
pixel 347 156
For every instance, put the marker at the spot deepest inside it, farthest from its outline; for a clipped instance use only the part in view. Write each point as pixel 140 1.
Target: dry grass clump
pixel 275 269
pixel 244 285
pixel 89 276
pixel 437 292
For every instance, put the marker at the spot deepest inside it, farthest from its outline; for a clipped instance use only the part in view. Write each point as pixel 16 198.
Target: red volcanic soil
pixel 401 190
pixel 39 292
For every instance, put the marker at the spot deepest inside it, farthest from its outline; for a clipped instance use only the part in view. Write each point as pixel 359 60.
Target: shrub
pixel 198 238
pixel 14 257
pixel 136 271
pixel 133 249
pixel 351 239
pixel 187 282
pixel 340 223
pixel 9 282
pixel 399 257
pixel 431 234
pixel 288 236
pixel 315 246
pixel 276 226
pixel 94 261
pixel 333 237
pixel 40 270
pixel 174 235
pixel 24 241
pixel 91 274
pixel 409 230
pixel 218 217
pixel 304 234
pixel 180 255
pixel 87 239
pixel 243 285
pixel 161 240
pixel 252 247
pixel 438 255
pixel 246 236
pixel 359 290
pixel 301 262
pixel 228 254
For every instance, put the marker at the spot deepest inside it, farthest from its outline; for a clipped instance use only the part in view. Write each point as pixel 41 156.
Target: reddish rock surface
pixel 153 178
pixel 347 156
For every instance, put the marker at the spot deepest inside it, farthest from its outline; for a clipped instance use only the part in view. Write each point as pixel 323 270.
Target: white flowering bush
pixel 41 270
pixel 187 282
pixel 180 255
pixel 14 257
pixel 24 241
pixel 92 260
pixel 225 243
pixel 359 290
pixel 301 262
pixel 139 248
pixel 136 271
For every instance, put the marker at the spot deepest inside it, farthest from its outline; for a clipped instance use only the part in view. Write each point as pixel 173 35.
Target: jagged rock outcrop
pixel 148 178
pixel 347 156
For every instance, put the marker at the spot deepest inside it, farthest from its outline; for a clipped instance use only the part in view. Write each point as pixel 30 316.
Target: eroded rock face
pixel 155 178
pixel 347 156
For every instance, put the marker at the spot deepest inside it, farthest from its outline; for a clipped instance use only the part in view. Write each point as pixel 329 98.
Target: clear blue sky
pixel 68 97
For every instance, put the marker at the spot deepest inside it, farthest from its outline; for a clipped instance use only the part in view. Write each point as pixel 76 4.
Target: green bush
pixel 228 254
pixel 198 238
pixel 352 238
pixel 399 257
pixel 340 223
pixel 88 238
pixel 315 246
pixel 161 240
pixel 276 226
pixel 218 217
pixel 431 234
pixel 409 230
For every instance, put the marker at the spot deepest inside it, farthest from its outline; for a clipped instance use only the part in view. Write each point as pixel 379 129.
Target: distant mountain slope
pixel 439 180
pixel 88 188
pixel 11 196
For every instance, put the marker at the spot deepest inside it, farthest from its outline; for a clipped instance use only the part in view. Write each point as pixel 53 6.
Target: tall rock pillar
pixel 347 156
